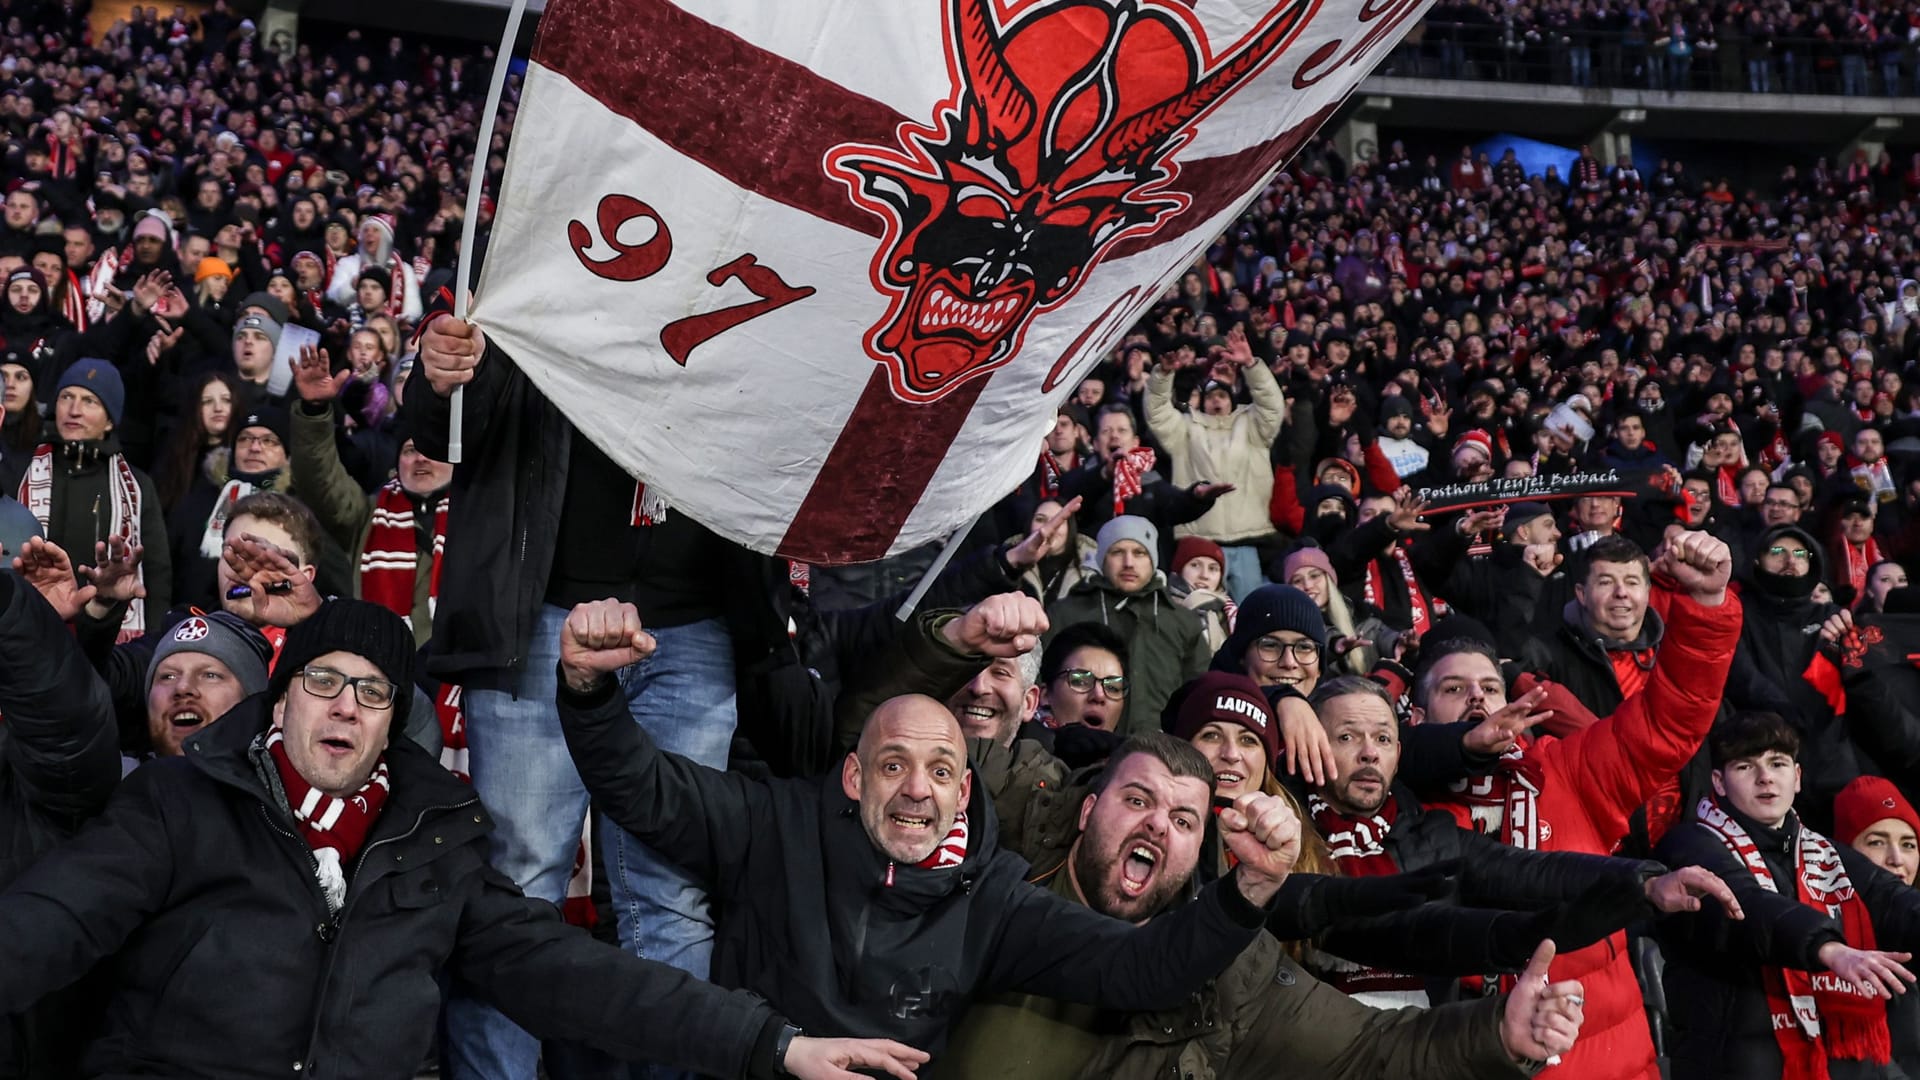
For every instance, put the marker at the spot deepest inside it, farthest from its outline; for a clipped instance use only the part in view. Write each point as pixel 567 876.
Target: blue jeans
pixel 524 775
pixel 1243 572
pixel 1580 65
pixel 1853 75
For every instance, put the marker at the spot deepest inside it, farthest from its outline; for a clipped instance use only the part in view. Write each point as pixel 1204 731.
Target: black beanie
pixel 352 626
pixel 1265 610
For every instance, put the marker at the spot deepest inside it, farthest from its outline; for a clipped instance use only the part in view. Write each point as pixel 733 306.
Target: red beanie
pixel 1476 438
pixel 1194 547
pixel 1867 800
pixel 1227 697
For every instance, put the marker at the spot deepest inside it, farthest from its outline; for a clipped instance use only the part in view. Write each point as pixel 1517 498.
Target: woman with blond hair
pixel 1355 638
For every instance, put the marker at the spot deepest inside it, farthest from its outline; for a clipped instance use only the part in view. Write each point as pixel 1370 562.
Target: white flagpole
pixel 939 563
pixel 471 224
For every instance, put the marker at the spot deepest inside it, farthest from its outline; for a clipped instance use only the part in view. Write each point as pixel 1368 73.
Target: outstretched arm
pixel 702 819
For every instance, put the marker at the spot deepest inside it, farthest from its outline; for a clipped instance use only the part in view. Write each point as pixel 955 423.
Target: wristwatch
pixel 781 1045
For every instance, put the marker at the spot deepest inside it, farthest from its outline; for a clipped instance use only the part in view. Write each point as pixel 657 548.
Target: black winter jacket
pixel 1715 997
pixel 811 915
pixel 1581 899
pixel 195 888
pixel 507 500
pixel 59 763
pixel 1578 659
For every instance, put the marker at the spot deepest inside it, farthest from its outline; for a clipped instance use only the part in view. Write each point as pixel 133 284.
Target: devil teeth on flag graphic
pixel 820 271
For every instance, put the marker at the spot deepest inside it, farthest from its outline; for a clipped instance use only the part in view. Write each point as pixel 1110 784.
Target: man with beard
pixel 879 900
pixel 1372 826
pixel 1582 792
pixel 1000 699
pixel 1264 1015
pixel 394 536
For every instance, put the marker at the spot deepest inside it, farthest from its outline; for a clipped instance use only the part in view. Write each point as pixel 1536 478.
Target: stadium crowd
pixel 1464 630
pixel 1857 48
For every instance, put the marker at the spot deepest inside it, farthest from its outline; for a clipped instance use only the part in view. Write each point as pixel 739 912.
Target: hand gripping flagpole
pixel 475 188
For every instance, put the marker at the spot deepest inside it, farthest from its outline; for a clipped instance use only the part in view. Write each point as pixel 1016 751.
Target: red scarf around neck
pixel 1815 1014
pixel 949 853
pixel 336 829
pixel 1358 846
pixel 1506 802
pixel 1421 613
pixel 1860 559
pixel 1128 470
pixel 391 557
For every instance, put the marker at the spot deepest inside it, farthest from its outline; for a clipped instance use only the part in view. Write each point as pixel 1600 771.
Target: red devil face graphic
pixel 1057 141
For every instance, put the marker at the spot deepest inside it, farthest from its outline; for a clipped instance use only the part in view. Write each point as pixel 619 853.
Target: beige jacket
pixel 1232 449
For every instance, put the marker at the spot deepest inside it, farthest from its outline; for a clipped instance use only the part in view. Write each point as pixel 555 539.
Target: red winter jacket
pixel 1591 783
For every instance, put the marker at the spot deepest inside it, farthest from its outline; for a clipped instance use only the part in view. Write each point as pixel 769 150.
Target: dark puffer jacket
pixel 1714 992
pixel 196 890
pixel 848 943
pixel 59 763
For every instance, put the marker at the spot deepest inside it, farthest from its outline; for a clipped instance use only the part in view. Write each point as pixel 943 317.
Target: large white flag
pixel 819 271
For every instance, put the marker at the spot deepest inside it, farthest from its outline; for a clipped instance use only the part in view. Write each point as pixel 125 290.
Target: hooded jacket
pixel 1166 642
pixel 1779 646
pixel 1232 449
pixel 846 942
pixel 196 890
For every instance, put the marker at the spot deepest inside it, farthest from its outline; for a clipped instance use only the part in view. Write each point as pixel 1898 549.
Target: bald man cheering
pixel 877 902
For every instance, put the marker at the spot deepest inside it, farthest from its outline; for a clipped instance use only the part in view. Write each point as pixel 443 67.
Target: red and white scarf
pixel 1049 475
pixel 391 559
pixel 1359 849
pixel 1358 845
pixel 1860 559
pixel 1416 599
pixel 1506 802
pixel 214 539
pixel 949 853
pixel 650 506
pixel 1128 469
pixel 73 302
pixel 123 520
pixel 335 828
pixel 100 283
pixel 1815 1014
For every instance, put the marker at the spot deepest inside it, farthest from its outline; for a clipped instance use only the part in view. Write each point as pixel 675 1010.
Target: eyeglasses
pixel 374 693
pixel 1082 681
pixel 1800 555
pixel 1270 648
pixel 1780 504
pixel 264 442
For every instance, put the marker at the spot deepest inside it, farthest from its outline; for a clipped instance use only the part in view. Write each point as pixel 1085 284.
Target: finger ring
pixel 1577 999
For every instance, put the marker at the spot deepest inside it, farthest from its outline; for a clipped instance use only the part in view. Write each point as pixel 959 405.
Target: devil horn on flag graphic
pixel 820 273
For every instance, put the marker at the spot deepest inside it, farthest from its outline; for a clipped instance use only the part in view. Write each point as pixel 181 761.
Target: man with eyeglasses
pixel 1083 690
pixel 1780 667
pixel 302 871
pixel 1781 506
